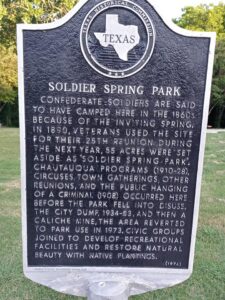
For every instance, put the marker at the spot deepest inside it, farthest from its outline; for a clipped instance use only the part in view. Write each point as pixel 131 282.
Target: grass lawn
pixel 208 279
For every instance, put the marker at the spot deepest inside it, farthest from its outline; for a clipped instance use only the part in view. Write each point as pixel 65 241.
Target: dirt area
pixel 12 184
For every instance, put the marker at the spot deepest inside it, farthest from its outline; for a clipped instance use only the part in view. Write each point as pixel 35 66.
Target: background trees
pixel 217 105
pixel 12 12
pixel 211 18
pixel 8 86
pixel 29 11
pixel 8 76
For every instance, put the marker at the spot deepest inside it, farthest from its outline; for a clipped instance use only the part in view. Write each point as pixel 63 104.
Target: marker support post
pixel 108 290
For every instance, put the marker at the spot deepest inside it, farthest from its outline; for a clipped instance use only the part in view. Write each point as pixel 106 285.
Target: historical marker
pixel 113 114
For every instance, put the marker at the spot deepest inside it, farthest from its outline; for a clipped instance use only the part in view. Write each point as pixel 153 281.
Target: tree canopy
pixel 8 76
pixel 13 12
pixel 204 18
pixel 211 18
pixel 29 11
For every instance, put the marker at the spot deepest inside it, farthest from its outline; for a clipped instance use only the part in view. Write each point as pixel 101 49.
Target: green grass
pixel 208 279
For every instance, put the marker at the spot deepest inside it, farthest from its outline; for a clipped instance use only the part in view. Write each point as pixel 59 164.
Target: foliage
pixel 219 74
pixel 218 85
pixel 211 18
pixel 204 18
pixel 13 12
pixel 8 76
pixel 29 11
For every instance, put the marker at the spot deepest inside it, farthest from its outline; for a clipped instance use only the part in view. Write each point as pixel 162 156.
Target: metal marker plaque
pixel 113 112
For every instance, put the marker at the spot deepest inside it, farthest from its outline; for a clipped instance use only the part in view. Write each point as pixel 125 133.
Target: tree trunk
pixel 219 120
pixel 2 106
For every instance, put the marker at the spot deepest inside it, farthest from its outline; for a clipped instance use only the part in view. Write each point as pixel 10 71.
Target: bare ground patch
pixel 9 208
pixel 10 212
pixel 12 184
pixel 15 184
pixel 221 200
pixel 217 222
pixel 216 162
pixel 210 200
pixel 211 155
pixel 220 172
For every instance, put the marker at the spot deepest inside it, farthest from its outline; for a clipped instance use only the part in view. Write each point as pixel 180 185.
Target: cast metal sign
pixel 113 114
